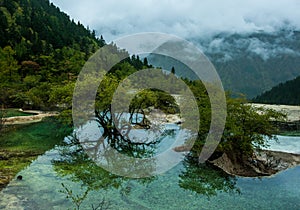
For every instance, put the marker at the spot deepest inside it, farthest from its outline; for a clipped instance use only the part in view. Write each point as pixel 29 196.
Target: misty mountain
pixel 247 63
pixel 253 63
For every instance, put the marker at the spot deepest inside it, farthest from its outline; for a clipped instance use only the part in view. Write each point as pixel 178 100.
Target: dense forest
pixel 284 93
pixel 41 49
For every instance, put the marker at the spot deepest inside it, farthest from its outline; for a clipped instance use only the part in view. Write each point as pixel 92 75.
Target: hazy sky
pixel 188 19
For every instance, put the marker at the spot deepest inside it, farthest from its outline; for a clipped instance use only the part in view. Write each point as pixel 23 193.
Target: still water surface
pixel 186 186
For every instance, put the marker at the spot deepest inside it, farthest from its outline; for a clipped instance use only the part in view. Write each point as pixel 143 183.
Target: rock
pixel 263 163
pixel 224 163
pixel 19 177
pixel 182 148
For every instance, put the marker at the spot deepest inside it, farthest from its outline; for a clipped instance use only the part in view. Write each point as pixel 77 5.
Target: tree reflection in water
pixel 81 168
pixel 202 179
pixel 205 179
pixel 77 165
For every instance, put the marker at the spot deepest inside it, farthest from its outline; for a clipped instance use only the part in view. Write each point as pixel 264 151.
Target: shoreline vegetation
pixel 266 162
pixel 263 162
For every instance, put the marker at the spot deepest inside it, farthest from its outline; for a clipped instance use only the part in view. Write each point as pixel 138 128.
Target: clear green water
pixel 186 186
pixel 183 187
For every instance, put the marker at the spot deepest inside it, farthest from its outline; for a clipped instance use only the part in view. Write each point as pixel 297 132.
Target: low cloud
pixel 187 19
pixel 266 47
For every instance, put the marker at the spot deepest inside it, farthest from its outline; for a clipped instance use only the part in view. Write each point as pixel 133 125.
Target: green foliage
pixel 38 27
pixel 61 95
pixel 42 52
pixel 2 115
pixel 153 98
pixel 247 127
pixel 199 91
pixel 40 49
pixel 8 65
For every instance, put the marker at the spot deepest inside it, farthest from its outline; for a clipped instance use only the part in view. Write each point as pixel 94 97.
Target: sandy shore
pixel 293 112
pixel 39 115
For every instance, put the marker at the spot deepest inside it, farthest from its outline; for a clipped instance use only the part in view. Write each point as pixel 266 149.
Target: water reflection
pixel 152 153
pixel 202 179
pixel 82 169
pixel 206 180
pixel 186 186
pixel 77 166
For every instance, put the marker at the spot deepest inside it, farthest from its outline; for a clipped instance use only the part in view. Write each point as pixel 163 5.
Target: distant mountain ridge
pixel 246 63
pixel 253 63
pixel 287 93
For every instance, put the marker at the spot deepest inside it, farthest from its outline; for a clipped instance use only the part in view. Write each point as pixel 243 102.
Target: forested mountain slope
pixel 41 49
pixel 285 93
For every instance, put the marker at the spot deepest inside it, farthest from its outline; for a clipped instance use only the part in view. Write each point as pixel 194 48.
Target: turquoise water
pixel 183 187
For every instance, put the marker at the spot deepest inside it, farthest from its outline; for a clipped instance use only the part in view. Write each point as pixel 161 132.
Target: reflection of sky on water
pixel 41 184
pixel 289 144
pixel 90 132
pixel 163 138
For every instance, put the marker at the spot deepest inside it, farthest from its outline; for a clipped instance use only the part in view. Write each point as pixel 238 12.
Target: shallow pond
pixel 62 171
pixel 183 187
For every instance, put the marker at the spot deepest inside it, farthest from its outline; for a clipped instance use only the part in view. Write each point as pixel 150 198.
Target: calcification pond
pixel 65 178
